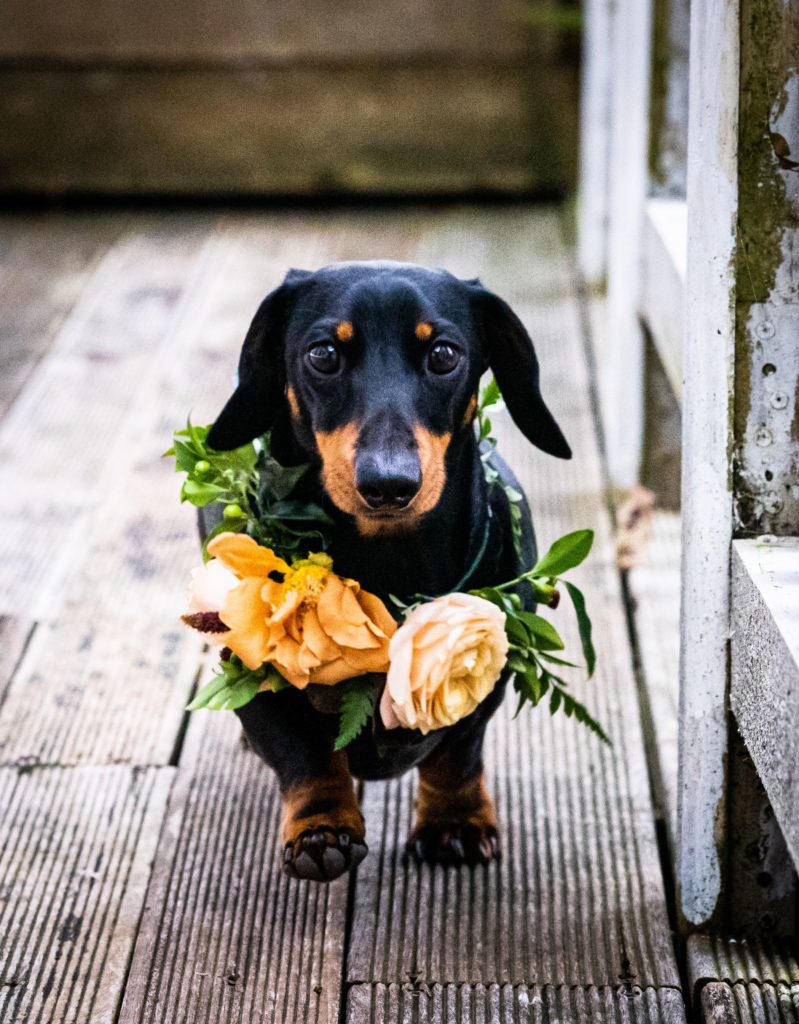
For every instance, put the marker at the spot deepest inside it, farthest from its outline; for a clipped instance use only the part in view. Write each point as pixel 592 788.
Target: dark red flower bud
pixel 206 622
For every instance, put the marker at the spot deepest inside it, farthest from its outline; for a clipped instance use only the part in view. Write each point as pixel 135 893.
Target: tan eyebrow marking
pixel 344 331
pixel 424 331
pixel 471 411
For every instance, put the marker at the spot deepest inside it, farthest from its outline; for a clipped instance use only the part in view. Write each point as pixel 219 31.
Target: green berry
pixel 201 467
pixel 232 512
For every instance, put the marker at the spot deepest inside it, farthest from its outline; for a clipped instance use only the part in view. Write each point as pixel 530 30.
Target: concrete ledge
pixel 765 669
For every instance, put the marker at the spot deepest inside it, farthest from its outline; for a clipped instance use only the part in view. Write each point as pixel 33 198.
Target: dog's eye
pixel 324 358
pixel 443 358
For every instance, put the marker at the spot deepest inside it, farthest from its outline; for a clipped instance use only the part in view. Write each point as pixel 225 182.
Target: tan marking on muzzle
pixel 344 331
pixel 432 453
pixel 424 331
pixel 337 448
pixel 294 405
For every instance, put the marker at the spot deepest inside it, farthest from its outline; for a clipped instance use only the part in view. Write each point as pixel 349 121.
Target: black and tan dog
pixel 370 371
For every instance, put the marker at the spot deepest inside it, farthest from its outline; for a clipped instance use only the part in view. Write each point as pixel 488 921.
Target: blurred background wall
pixel 282 97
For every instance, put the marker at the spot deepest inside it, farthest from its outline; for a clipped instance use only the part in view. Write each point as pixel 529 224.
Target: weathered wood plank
pixel 225 935
pixel 721 958
pixel 75 859
pixel 111 667
pixel 655 588
pixel 60 435
pixel 578 899
pixel 15 632
pixel 42 276
pixel 750 1004
pixel 508 1004
pixel 420 127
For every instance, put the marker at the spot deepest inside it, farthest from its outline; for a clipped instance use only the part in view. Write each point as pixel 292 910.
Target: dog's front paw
pixel 453 844
pixel 323 853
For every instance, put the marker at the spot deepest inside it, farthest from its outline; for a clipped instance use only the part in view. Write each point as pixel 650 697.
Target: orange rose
pixel 313 626
pixel 445 659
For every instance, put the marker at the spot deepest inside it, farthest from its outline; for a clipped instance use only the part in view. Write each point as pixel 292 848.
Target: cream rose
pixel 444 660
pixel 210 584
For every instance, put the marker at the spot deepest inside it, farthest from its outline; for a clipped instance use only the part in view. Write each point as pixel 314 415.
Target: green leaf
pixel 546 656
pixel 542 630
pixel 582 714
pixel 201 494
pixel 554 700
pixel 241 693
pixel 584 625
pixel 357 706
pixel 300 511
pixel 274 681
pixel 203 697
pixel 490 394
pixel 565 554
pixel 517 631
pixel 518 663
pixel 530 684
pixel 279 481
pixel 184 457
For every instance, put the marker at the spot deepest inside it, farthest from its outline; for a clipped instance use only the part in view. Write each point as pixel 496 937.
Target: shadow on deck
pixel 139 866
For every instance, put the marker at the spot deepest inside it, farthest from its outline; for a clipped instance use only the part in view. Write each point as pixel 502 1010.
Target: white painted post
pixel 595 127
pixel 706 449
pixel 621 357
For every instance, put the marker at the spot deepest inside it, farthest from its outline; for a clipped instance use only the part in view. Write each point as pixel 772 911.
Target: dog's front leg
pixel 456 822
pixel 323 828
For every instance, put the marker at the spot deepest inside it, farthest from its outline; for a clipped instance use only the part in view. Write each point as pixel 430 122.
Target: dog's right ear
pixel 254 405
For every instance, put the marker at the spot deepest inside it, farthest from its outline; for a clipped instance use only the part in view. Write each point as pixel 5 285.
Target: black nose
pixel 389 486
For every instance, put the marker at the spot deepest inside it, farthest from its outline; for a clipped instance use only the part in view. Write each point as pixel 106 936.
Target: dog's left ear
pixel 253 407
pixel 511 356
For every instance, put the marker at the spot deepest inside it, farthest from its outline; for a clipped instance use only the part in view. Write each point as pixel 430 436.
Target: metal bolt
pixel 763 437
pixel 765 330
pixel 779 400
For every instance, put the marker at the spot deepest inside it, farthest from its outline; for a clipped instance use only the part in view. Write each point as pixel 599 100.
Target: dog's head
pixel 378 365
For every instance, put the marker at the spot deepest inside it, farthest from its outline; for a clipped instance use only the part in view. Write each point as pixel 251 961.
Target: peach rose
pixel 444 660
pixel 312 625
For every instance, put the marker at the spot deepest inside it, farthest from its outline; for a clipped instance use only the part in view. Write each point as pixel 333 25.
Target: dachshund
pixel 369 373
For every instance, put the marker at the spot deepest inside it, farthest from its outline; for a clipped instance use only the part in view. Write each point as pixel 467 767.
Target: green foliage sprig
pixel 254 490
pixel 236 685
pixel 534 640
pixel 491 398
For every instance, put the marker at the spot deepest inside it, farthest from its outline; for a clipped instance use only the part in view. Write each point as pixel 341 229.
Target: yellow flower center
pixel 308 577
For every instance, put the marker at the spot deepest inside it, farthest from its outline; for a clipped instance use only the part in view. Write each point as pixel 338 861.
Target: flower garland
pixel 282 617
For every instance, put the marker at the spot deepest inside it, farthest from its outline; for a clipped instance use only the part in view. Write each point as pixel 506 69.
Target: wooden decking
pixel 139 875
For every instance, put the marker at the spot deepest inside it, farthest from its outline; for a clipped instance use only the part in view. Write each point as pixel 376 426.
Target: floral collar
pixel 267 596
